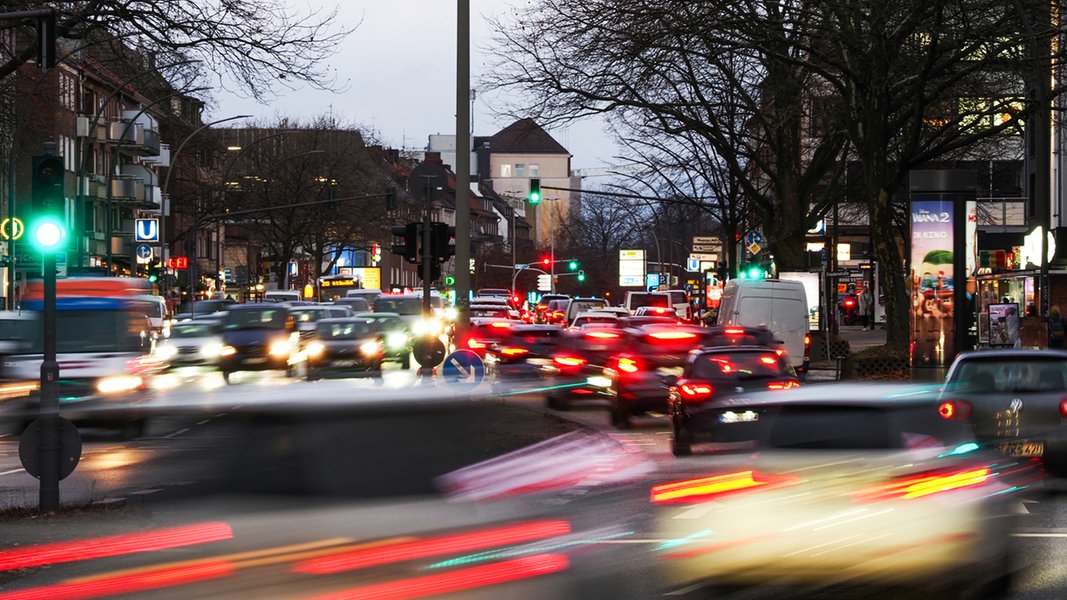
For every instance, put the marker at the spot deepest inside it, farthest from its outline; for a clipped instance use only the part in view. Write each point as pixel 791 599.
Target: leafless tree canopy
pixel 248 46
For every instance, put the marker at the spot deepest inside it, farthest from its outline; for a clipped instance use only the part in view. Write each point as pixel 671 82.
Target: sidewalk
pixel 858 339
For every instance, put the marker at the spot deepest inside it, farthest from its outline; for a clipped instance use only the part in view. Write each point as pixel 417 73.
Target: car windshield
pixel 1033 374
pixel 349 330
pixel 734 366
pixel 263 318
pixel 193 329
pixel 305 315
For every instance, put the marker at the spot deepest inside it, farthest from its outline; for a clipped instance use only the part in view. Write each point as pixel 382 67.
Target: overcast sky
pixel 400 69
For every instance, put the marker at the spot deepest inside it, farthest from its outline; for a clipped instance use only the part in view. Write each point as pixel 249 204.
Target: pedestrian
pixel 865 306
pixel 1057 333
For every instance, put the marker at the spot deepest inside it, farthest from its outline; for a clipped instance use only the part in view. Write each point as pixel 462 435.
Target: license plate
pixel 1022 448
pixel 344 363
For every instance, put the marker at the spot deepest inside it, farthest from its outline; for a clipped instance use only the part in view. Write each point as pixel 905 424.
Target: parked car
pixel 1014 400
pixel 861 485
pixel 706 403
pixel 259 336
pixel 344 347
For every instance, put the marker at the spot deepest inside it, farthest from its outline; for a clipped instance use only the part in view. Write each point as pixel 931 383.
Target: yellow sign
pixel 12 229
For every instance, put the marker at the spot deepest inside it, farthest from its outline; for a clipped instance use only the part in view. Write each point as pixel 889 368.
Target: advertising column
pixel 941 282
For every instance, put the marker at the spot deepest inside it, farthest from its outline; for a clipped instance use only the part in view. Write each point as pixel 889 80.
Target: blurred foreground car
pixel 707 403
pixel 484 334
pixel 1015 400
pixel 576 372
pixel 193 343
pixel 852 485
pixel 344 347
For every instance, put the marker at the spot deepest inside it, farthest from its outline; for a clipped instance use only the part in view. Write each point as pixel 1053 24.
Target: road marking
pixel 177 433
pixel 1040 535
pixel 12 471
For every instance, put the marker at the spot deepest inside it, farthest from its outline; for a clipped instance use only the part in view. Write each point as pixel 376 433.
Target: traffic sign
pixel 837 273
pixel 463 368
pixel 146 230
pixel 144 253
pixel 544 282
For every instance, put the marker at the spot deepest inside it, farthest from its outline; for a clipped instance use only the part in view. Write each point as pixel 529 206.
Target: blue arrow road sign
pixel 144 251
pixel 463 367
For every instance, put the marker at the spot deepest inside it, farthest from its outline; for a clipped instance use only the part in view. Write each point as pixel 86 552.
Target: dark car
pixel 1015 400
pixel 541 308
pixel 201 308
pixel 484 334
pixel 258 337
pixel 643 358
pixel 344 347
pixel 707 402
pixel 522 352
pixel 395 334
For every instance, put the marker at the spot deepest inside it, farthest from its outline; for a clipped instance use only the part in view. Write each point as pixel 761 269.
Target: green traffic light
pixel 47 233
pixel 581 276
pixel 573 265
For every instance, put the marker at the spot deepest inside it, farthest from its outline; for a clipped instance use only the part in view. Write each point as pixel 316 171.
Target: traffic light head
pixel 572 265
pixel 47 225
pixel 48 233
pixel 546 261
pixel 535 191
pixel 581 276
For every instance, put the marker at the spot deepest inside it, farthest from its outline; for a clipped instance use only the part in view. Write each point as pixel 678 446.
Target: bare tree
pixel 248 46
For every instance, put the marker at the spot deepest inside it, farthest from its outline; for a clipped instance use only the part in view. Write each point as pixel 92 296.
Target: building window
pixel 505 170
pixel 520 170
pixel 534 171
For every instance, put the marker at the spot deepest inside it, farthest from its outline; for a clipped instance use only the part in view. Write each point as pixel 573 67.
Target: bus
pixel 104 342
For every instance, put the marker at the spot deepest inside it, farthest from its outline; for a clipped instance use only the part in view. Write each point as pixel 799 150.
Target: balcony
pixel 127 189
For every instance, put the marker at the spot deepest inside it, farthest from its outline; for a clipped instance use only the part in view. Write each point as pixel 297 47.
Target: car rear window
pixel 639 300
pixel 343 331
pixel 734 366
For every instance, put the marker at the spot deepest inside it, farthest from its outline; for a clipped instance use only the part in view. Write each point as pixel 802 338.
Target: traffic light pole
pixel 48 498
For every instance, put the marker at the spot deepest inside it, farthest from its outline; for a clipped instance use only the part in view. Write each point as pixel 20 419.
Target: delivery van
pixel 777 304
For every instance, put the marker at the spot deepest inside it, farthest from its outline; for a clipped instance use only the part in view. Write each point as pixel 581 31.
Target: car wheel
pixel 681 442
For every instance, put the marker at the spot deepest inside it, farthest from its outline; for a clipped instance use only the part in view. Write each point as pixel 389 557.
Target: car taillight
pixel 626 364
pixel 924 484
pixel 500 325
pixel 474 344
pixel 705 489
pixel 807 345
pixel 734 331
pixel 513 352
pixel 601 335
pixel 954 410
pixel 694 392
pixel 1063 407
pixel 672 336
pixel 849 302
pixel 569 361
pixel 782 385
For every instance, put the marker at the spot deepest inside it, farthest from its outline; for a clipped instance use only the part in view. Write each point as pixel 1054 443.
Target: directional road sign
pixel 144 253
pixel 463 368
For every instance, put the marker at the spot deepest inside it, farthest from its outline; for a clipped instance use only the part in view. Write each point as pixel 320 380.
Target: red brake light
pixel 694 392
pixel 956 410
pixel 474 344
pixel 569 361
pixel 600 334
pixel 513 352
pixel 734 331
pixel 849 302
pixel 924 484
pixel 500 324
pixel 708 488
pixel 1063 407
pixel 782 385
pixel 672 335
pixel 769 360
pixel 628 365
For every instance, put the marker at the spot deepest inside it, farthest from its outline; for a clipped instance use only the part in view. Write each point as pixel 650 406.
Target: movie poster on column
pixel 931 282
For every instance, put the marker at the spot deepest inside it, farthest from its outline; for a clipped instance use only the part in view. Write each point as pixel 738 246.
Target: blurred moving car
pixel 484 334
pixel 344 347
pixel 192 343
pixel 259 336
pixel 636 371
pixel 579 305
pixel 658 311
pixel 522 351
pixel 707 402
pixel 200 308
pixel 541 308
pixel 576 372
pixel 853 485
pixel 595 317
pixel 394 333
pixel 556 312
pixel 1015 400
pixel 491 311
pixel 355 303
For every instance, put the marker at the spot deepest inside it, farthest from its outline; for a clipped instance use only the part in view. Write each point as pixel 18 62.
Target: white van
pixel 282 296
pixel 777 304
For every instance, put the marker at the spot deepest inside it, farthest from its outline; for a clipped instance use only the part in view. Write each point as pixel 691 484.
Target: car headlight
pixel 228 351
pixel 396 341
pixel 315 348
pixel 369 348
pixel 280 348
pixel 117 384
pixel 166 351
pixel 427 327
pixel 211 350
